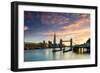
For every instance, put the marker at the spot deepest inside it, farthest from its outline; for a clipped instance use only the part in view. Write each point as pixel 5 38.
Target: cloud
pixel 54 19
pixel 28 15
pixel 82 23
pixel 87 16
pixel 79 30
pixel 26 28
pixel 65 25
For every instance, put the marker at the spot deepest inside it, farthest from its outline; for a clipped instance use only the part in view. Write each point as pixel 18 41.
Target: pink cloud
pixel 79 30
pixel 54 19
pixel 79 24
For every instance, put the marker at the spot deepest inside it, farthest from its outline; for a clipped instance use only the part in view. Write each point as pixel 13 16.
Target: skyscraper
pixel 54 40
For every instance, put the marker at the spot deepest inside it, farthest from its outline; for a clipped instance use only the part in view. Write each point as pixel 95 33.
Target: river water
pixel 47 54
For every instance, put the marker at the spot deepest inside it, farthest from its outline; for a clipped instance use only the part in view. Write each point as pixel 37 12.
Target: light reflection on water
pixel 47 54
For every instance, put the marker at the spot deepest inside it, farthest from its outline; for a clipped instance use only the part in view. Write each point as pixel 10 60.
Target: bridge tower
pixel 61 45
pixel 71 45
pixel 71 41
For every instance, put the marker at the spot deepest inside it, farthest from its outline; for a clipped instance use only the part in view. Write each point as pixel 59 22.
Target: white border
pixel 22 64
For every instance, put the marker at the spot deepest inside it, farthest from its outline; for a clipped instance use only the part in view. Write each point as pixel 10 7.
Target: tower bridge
pixel 61 46
pixel 72 47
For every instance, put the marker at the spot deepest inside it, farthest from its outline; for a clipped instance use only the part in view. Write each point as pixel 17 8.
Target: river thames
pixel 47 55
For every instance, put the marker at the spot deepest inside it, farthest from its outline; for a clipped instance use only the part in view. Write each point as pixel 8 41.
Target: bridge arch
pixel 63 48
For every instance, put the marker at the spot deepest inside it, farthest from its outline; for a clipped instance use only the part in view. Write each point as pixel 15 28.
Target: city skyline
pixel 39 26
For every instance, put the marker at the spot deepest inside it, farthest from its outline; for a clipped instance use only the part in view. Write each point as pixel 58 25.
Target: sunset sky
pixel 39 26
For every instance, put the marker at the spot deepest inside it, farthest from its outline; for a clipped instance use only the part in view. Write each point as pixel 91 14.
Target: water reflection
pixel 47 54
